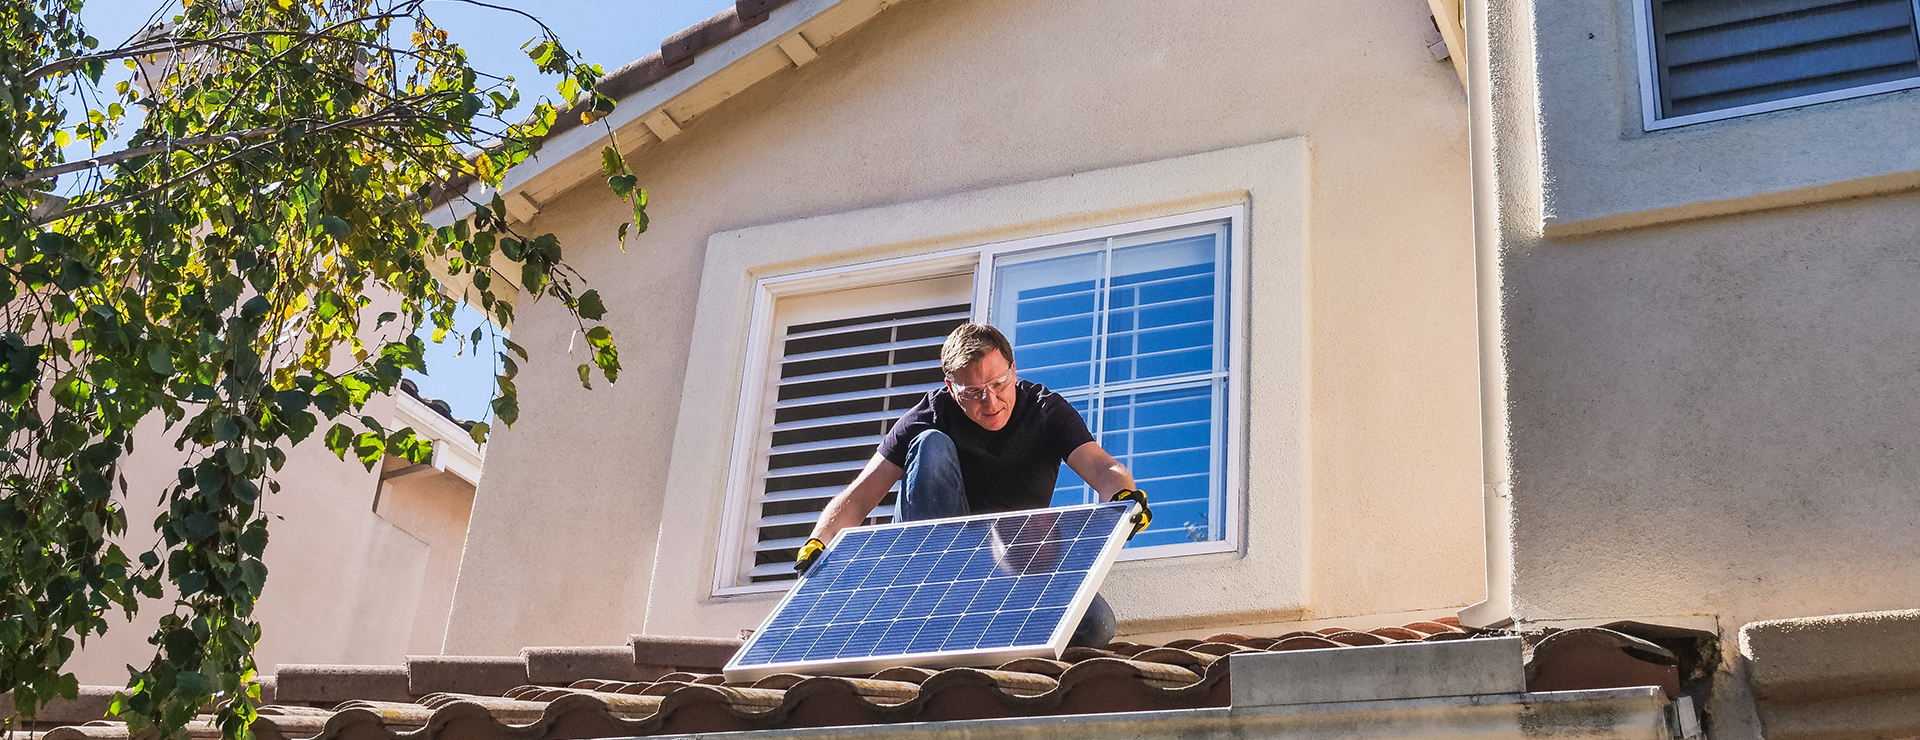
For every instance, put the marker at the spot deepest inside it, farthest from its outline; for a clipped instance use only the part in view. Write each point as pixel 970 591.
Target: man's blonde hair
pixel 970 342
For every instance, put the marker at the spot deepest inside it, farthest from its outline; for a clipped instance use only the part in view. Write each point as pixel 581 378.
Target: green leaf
pixel 586 374
pixel 507 409
pixel 622 185
pixel 159 360
pixel 338 439
pixel 611 162
pixel 335 226
pixel 253 541
pixel 478 432
pixel 590 306
pixel 254 574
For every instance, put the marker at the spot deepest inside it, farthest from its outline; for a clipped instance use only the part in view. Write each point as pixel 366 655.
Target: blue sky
pixel 607 32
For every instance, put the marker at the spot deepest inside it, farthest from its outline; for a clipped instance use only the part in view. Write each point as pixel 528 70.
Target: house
pixel 1497 368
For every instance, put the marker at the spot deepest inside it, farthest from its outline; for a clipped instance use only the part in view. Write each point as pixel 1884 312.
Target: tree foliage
pixel 244 259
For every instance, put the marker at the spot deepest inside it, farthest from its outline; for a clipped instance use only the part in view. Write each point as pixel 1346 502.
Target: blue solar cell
pixel 865 640
pixel 822 613
pixel 925 598
pixel 991 595
pixel 981 564
pixel 891 602
pixel 916 570
pixel 765 645
pixel 998 586
pixel 941 537
pixel 884 571
pixel 856 606
pixel 909 541
pixel 1039 626
pixel 972 535
pixel 832 639
pixel 1059 591
pixel 1082 555
pixel 1002 630
pixel 933 634
pixel 957 598
pixel 877 545
pixel 1026 592
pixel 1069 524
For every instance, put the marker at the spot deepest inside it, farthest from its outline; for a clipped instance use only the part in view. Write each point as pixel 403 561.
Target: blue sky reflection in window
pixel 1133 331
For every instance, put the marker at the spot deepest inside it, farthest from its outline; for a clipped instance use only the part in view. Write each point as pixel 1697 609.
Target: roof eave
pixel 662 92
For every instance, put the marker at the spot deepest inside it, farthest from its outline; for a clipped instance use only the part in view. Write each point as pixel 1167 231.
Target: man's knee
pixel 932 443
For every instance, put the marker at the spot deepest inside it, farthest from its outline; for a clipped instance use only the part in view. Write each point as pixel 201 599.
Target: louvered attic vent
pixel 841 386
pixel 1713 55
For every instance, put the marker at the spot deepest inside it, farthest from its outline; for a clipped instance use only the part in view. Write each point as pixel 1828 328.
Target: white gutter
pixel 1495 469
pixel 453 448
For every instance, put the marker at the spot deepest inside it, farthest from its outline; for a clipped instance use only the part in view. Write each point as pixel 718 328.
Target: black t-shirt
pixel 1006 470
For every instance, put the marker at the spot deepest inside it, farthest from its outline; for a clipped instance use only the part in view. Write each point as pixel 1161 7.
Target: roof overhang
pixel 662 93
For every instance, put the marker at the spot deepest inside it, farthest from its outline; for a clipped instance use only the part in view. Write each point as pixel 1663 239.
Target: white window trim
pixel 746 455
pixel 1649 64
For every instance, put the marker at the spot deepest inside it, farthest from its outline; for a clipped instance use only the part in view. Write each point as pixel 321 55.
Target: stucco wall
pixel 343 584
pixel 1711 415
pixel 936 98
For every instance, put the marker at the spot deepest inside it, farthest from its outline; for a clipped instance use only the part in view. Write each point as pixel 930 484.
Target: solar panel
pixel 946 592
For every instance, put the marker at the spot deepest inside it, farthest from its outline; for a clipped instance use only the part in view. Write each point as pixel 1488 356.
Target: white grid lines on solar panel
pixel 950 592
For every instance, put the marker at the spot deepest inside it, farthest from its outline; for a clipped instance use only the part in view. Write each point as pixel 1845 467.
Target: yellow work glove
pixel 809 554
pixel 1141 518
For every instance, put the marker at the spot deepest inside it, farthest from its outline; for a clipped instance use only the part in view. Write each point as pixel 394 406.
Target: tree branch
pixel 48 173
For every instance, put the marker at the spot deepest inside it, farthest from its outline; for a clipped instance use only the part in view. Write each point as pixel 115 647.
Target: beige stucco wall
pixel 1711 399
pixel 936 99
pixel 344 584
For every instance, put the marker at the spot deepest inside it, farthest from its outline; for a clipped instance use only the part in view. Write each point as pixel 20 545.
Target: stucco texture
pixel 931 99
pixel 1717 417
pixel 344 585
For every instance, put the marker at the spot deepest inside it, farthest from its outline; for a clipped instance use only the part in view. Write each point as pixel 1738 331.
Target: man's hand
pixel 1141 518
pixel 809 554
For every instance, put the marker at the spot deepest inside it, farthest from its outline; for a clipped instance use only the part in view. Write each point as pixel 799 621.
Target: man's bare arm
pixel 1100 470
pixel 851 506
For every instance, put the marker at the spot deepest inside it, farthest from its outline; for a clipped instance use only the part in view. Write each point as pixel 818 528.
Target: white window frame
pixel 746 455
pixel 1649 63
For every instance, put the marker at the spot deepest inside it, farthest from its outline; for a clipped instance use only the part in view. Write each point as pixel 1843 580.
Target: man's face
pixel 985 390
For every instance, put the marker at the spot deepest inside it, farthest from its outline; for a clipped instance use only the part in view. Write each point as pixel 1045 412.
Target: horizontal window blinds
pixel 840 385
pixel 1719 54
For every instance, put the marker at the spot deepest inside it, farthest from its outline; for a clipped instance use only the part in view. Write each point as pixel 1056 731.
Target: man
pixel 987 442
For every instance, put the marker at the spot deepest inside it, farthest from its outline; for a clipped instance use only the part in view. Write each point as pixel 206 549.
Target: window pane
pixel 1048 310
pixel 1162 302
pixel 1167 439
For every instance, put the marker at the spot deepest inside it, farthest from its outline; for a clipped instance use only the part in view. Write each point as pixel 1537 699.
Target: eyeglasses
pixel 978 393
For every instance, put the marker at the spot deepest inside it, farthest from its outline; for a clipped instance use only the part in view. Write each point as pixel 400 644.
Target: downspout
pixel 1497 609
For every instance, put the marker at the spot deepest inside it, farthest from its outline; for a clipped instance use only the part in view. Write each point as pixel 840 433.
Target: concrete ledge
pixel 332 684
pixel 90 705
pixel 465 674
pixel 560 666
pixel 1836 655
pixel 700 654
pixel 1379 672
pixel 1838 676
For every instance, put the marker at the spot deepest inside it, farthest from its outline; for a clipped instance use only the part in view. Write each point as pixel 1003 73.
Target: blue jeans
pixel 932 489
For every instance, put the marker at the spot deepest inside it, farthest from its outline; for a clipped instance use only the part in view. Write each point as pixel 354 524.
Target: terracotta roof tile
pixel 1122 677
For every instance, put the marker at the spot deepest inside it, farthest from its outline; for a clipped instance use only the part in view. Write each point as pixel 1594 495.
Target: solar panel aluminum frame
pixel 1054 647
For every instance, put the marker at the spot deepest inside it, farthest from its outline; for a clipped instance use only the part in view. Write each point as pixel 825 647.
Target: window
pixel 849 363
pixel 1130 323
pixel 1133 330
pixel 1713 59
